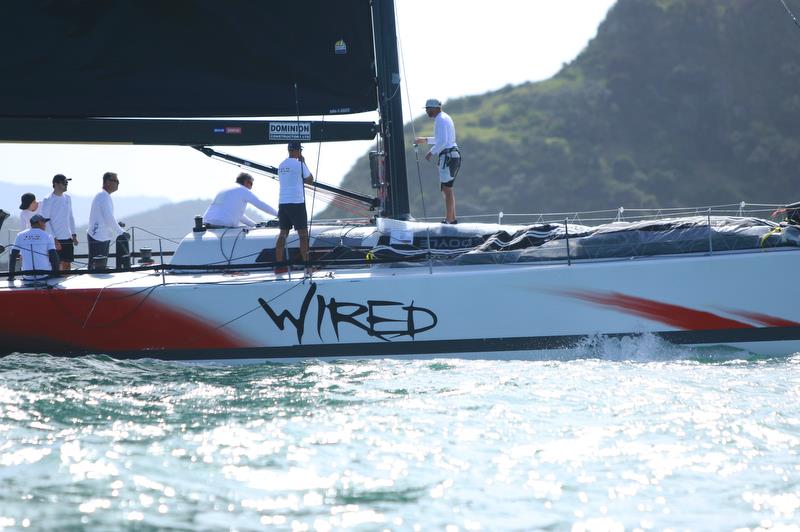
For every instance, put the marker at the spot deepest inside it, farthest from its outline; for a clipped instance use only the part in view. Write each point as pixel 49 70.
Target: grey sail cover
pixel 185 58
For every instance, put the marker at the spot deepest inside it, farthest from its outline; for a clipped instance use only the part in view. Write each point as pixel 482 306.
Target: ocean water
pixel 619 435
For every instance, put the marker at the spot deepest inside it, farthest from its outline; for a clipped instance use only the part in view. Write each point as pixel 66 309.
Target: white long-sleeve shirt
pixel 228 207
pixel 59 210
pixel 444 133
pixel 103 225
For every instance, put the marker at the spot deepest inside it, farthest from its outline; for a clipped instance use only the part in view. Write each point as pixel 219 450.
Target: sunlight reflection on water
pixel 602 442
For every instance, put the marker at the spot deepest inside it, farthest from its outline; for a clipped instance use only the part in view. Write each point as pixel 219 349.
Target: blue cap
pixel 295 145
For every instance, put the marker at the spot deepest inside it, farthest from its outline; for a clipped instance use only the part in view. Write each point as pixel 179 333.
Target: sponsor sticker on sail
pixel 290 130
pixel 229 130
pixel 340 48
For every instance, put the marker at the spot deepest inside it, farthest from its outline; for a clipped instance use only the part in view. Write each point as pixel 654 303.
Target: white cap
pixel 433 102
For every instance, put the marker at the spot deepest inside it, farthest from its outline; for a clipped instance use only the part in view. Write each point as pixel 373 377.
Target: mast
pixel 391 107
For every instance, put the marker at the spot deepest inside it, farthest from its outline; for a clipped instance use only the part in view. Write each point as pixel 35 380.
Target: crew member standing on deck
pixel 227 209
pixel 447 153
pixel 293 174
pixel 57 207
pixel 103 226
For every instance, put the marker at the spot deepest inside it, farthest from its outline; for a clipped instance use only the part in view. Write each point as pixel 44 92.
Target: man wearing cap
pixel 227 209
pixel 447 152
pixel 103 226
pixel 28 206
pixel 38 250
pixel 292 175
pixel 57 207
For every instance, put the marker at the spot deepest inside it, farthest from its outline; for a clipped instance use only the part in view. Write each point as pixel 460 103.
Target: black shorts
pixel 449 184
pixel 292 215
pixel 67 251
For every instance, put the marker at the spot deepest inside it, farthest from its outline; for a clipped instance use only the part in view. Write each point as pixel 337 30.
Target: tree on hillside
pixel 674 102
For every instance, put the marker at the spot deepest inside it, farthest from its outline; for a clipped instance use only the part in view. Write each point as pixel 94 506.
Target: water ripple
pixel 602 441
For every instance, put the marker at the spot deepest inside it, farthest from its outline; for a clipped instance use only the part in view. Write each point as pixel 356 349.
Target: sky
pixel 449 49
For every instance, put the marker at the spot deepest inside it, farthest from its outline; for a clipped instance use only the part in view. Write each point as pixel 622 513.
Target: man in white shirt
pixel 227 209
pixel 103 226
pixel 449 156
pixel 38 250
pixel 57 207
pixel 292 174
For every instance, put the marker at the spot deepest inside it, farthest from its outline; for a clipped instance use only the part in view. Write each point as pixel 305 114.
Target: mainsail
pixel 186 58
pixel 187 72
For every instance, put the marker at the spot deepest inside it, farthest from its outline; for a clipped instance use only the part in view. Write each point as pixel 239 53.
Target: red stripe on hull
pixel 101 321
pixel 677 316
pixel 765 319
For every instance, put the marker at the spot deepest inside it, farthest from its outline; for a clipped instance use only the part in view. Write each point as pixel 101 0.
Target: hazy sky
pixel 449 48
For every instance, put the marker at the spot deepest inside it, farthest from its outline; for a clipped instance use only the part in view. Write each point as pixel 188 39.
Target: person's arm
pixel 54 261
pixel 107 216
pixel 12 263
pixel 72 230
pixel 52 254
pixel 44 210
pixel 253 199
pixel 439 138
pixel 307 175
pixel 246 220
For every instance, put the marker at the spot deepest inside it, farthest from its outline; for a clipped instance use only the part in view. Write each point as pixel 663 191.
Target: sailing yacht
pixel 383 286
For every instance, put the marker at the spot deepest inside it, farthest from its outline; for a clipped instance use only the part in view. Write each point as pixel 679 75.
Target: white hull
pixel 739 299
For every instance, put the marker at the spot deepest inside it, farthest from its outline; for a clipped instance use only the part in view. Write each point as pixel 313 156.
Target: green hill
pixel 674 102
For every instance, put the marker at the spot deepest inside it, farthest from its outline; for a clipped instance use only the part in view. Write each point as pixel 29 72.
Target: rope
pixel 764 238
pixel 160 237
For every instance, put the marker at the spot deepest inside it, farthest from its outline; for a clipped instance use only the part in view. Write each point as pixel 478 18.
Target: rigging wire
pixel 350 205
pixel 301 160
pixel 313 195
pixel 273 298
pixel 414 133
pixel 410 113
pixel 789 11
pixel 314 183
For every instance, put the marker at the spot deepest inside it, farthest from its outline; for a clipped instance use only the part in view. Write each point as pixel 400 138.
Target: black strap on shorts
pixel 453 164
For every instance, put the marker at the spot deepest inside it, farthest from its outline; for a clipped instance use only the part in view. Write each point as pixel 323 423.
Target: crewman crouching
pixel 38 250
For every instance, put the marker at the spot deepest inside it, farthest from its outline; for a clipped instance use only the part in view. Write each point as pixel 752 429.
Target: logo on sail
pixel 290 131
pixel 340 48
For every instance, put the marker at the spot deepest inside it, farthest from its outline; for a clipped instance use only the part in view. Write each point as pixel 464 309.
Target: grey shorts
pixel 449 167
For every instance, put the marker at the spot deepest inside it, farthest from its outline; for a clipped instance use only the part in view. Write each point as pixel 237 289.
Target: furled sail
pixel 185 58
